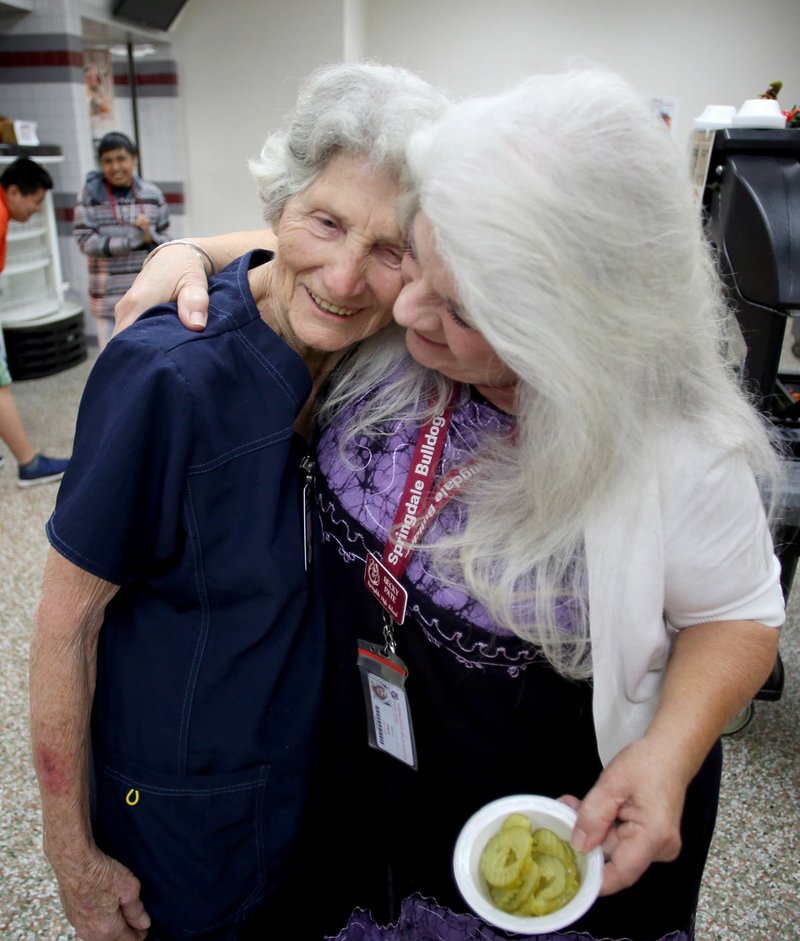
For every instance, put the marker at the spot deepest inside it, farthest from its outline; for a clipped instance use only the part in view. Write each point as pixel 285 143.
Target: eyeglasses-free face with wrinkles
pixel 337 270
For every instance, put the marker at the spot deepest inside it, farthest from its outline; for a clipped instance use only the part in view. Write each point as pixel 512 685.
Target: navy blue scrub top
pixel 185 489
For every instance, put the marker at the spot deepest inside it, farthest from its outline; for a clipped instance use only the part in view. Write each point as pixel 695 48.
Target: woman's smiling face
pixel 337 266
pixel 438 333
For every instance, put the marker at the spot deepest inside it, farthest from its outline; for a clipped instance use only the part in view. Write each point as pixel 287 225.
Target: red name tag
pixel 386 588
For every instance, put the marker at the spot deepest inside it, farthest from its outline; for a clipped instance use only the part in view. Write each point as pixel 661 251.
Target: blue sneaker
pixel 41 470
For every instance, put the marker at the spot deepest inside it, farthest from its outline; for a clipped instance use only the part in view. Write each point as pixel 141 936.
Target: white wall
pixel 239 64
pixel 698 51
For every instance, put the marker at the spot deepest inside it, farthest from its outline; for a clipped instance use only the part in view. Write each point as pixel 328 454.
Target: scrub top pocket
pixel 194 842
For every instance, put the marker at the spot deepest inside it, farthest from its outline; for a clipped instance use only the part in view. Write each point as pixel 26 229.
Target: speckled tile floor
pixel 752 888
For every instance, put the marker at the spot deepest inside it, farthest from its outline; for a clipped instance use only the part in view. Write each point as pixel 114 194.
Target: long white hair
pixel 564 212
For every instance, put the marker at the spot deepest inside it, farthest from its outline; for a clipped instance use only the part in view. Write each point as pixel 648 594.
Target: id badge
pixel 383 677
pixel 385 588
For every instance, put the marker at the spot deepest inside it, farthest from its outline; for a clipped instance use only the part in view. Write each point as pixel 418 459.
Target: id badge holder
pixel 383 677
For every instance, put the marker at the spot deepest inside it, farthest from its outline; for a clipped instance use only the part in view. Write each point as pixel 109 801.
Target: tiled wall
pixel 160 131
pixel 42 80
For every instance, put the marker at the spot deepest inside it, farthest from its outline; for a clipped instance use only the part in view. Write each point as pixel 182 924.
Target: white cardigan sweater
pixel 683 543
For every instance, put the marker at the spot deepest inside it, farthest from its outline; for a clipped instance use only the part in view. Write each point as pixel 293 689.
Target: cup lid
pixel 760 113
pixel 713 117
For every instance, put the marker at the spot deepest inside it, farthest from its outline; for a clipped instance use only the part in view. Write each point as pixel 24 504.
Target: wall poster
pixel 99 78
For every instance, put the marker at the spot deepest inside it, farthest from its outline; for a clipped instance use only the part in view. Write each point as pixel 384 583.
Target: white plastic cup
pixel 714 117
pixel 543 812
pixel 759 112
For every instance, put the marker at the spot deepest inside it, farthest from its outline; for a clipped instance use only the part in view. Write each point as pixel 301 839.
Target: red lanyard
pixel 419 505
pixel 113 203
pixel 414 500
pixel 413 518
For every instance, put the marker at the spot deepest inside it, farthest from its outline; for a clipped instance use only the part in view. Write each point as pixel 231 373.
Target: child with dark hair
pixel 23 188
pixel 119 219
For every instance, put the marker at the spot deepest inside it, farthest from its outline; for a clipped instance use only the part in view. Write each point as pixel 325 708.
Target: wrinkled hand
pixel 101 901
pixel 633 811
pixel 175 273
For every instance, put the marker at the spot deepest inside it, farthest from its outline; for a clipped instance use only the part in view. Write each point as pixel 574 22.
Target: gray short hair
pixel 366 109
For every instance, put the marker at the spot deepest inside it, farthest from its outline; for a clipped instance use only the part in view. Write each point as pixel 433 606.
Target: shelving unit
pixel 43 333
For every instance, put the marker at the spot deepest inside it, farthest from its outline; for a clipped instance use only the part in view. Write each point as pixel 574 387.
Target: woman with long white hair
pixel 589 591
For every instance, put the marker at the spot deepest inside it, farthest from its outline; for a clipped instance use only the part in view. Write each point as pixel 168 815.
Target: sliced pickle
pixel 505 895
pixel 545 841
pixel 504 858
pixel 570 861
pixel 533 905
pixel 529 874
pixel 573 884
pixel 553 877
pixel 517 820
pixel 510 899
pixel 502 897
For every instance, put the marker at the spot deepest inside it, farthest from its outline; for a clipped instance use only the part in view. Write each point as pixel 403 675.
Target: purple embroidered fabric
pixel 369 490
pixel 423 920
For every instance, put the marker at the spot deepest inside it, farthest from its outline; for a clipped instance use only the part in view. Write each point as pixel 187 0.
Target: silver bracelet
pixel 201 252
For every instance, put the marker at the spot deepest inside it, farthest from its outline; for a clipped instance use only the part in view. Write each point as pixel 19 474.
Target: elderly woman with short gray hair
pixel 177 661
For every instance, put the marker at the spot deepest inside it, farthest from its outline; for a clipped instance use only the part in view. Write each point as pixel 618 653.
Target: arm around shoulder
pixel 179 274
